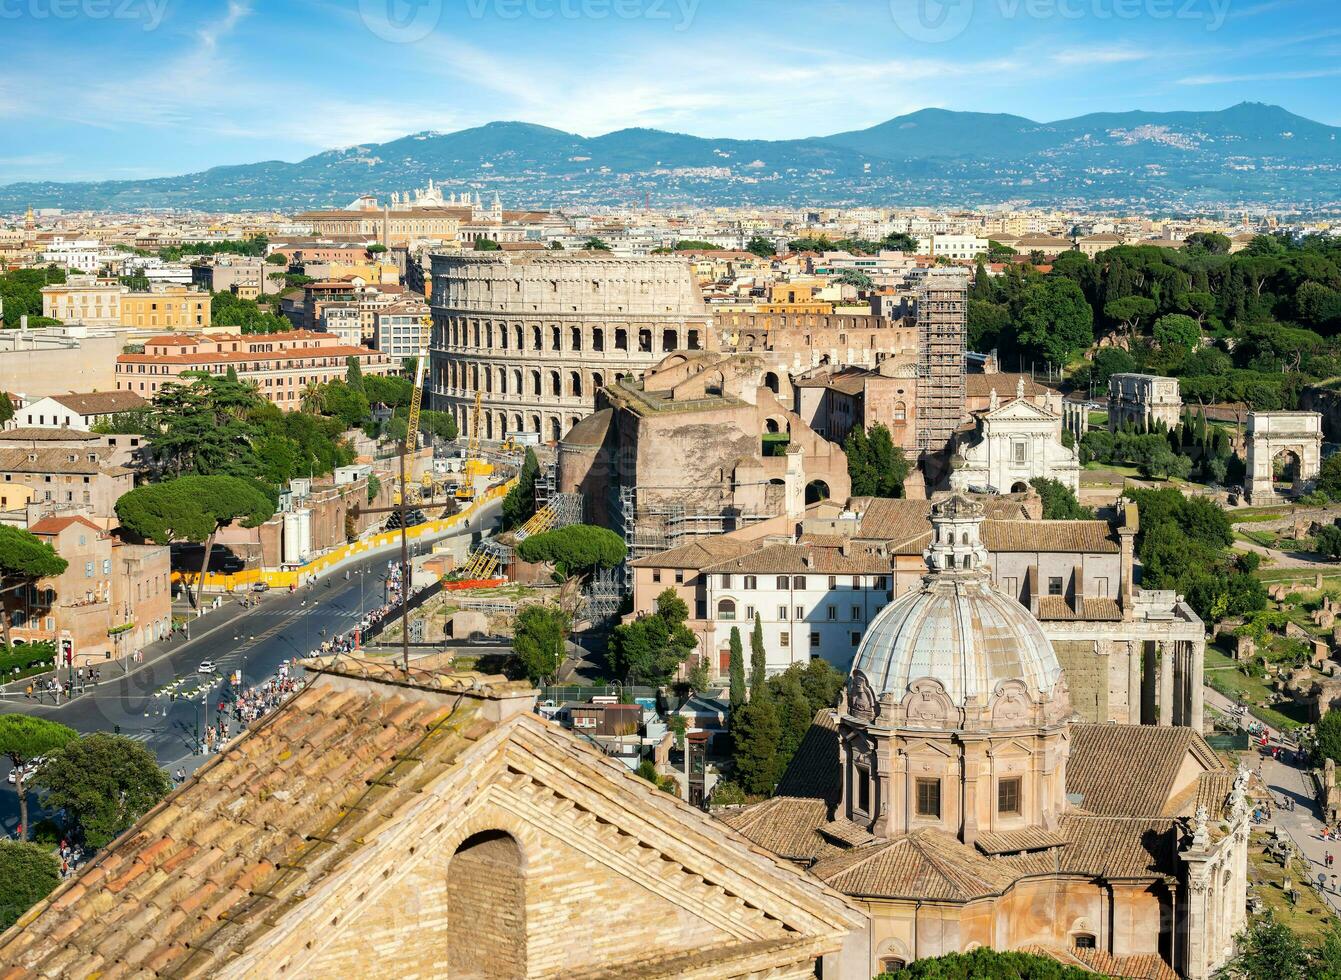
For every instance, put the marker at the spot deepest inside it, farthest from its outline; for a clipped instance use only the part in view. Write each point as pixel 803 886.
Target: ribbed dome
pixel 961 632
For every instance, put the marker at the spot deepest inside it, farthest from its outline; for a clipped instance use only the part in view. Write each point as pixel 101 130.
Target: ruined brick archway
pixel 486 908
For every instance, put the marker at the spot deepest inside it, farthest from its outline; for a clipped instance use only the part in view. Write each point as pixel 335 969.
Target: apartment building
pixel 80 411
pixel 112 599
pixel 402 330
pixel 67 477
pixel 106 303
pixel 281 365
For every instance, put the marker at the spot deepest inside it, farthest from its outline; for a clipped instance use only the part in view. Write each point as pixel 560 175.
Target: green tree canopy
pixel 519 504
pixel 101 784
pixel 761 247
pixel 24 558
pixel 1053 320
pixel 1177 330
pixel 575 549
pixel 652 648
pixel 595 245
pixel 28 874
pixel 194 509
pixel 875 465
pixel 1268 950
pixel 985 963
pixel 24 738
pixel 6 408
pixel 540 641
pixel 1059 503
pixel 736 669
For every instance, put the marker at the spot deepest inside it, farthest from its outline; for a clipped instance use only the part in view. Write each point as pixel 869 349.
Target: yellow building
pixel 99 302
pixel 174 308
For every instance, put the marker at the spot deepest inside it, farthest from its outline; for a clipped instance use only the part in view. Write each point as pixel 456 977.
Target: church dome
pixel 957 629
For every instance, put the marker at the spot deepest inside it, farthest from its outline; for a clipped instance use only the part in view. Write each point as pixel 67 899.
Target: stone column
pixel 1198 915
pixel 1135 661
pixel 1197 668
pixel 1165 652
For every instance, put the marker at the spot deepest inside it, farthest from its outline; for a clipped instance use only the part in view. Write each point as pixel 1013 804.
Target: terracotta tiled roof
pixel 845 833
pixel 981 385
pixel 1093 609
pixel 250 833
pixel 1070 537
pixel 801 559
pixel 1090 537
pixel 926 864
pixel 299 806
pixel 47 434
pixel 789 826
pixel 101 402
pixel 55 525
pixel 901 522
pixel 39 460
pixel 1012 842
pixel 697 554
pixel 1119 847
pixel 1131 770
pixel 1146 966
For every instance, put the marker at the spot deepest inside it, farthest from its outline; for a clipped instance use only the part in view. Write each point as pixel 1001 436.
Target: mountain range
pixel 1248 155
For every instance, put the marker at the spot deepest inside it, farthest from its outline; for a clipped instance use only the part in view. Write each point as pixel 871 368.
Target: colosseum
pixel 538 333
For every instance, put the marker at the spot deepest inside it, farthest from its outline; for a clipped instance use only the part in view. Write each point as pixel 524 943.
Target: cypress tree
pixel 758 661
pixel 737 672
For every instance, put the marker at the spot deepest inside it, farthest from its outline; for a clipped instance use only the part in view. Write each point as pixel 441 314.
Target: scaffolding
pixel 603 594
pixel 942 322
pixel 492 556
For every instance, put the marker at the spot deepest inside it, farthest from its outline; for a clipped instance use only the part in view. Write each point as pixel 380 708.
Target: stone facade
pixel 1016 442
pixel 1284 445
pixel 538 334
pixel 1143 400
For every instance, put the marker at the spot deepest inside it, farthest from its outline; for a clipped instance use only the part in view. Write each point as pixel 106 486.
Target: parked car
pixel 207 667
pixel 260 587
pixel 28 767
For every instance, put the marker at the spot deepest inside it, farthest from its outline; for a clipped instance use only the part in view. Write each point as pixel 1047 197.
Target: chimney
pixel 1131 524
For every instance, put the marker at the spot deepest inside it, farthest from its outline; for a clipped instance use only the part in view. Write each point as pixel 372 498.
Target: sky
pixel 114 89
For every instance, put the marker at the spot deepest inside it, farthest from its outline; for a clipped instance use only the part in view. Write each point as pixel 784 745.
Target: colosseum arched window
pixel 645 341
pixel 670 340
pixel 555 388
pixel 555 338
pixel 598 339
pixel 575 338
pixel 621 339
pixel 535 385
pixel 535 337
pixel 575 384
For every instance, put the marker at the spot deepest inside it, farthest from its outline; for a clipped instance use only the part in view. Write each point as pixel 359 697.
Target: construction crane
pixel 474 465
pixel 416 400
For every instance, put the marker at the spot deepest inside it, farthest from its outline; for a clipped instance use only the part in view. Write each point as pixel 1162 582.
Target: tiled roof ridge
pixel 296 867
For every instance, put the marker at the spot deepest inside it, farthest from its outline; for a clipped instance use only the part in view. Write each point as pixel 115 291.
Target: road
pixel 141 703
pixel 1286 781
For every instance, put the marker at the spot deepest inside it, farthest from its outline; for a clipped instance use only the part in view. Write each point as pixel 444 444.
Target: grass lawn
pixel 1244 515
pixel 1098 420
pixel 1307 916
pixel 1304 576
pixel 1223 674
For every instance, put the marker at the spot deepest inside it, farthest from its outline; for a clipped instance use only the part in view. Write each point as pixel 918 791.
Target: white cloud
pixel 1269 76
